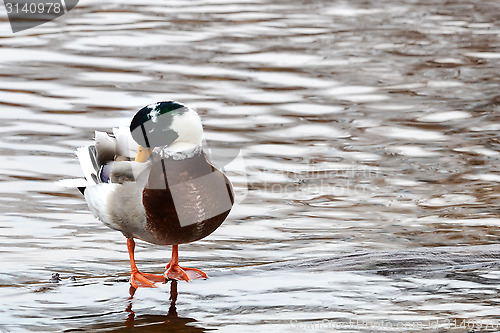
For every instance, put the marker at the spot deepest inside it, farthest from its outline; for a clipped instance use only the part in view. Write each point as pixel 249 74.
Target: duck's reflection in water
pixel 157 323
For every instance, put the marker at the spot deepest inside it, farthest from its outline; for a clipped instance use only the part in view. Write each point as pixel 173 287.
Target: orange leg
pixel 138 279
pixel 176 272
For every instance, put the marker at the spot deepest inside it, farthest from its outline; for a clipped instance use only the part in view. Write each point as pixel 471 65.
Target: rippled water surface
pixel 368 133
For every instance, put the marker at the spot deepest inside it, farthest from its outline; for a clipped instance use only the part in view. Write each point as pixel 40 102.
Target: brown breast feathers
pixel 185 200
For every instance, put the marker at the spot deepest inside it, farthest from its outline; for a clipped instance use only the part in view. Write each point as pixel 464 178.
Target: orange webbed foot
pixel 145 280
pixel 138 279
pixel 176 272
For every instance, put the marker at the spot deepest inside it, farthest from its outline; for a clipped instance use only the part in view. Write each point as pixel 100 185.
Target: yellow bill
pixel 143 154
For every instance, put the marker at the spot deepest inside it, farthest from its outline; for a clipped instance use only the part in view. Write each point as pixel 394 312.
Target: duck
pixel 152 181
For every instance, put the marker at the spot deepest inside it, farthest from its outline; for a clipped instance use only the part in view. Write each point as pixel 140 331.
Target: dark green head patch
pixel 151 125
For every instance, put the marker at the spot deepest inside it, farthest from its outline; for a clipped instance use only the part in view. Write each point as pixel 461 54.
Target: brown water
pixel 369 138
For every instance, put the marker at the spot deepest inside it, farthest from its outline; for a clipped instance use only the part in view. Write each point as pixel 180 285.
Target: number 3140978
pixel 33 8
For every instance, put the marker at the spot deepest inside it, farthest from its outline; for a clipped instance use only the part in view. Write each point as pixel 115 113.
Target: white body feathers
pixel 117 202
pixel 117 205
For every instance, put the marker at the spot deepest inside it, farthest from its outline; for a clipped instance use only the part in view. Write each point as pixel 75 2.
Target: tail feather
pixel 105 146
pixel 94 158
pixel 90 166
